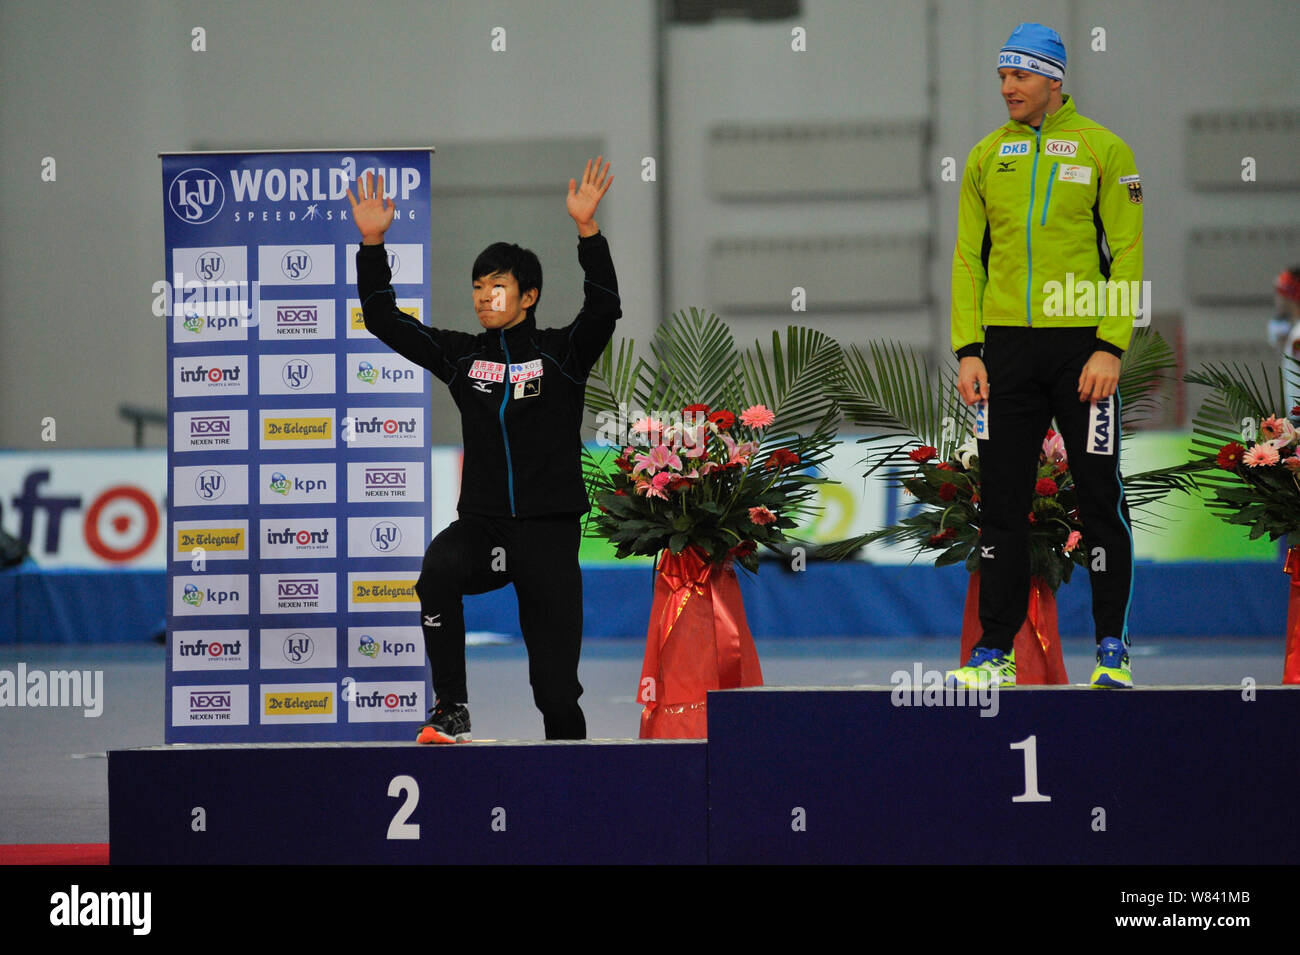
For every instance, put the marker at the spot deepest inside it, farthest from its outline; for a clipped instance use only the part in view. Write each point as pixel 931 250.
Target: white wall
pixel 104 86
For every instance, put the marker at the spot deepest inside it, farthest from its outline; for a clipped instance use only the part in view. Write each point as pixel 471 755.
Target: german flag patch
pixel 1134 184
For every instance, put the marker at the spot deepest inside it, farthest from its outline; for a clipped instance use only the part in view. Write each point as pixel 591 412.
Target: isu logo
pixel 196 196
pixel 210 266
pixel 296 374
pixel 296 265
pixel 210 485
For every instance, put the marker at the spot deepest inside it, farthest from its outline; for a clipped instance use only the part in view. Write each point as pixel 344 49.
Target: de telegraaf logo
pixel 927 689
pixel 367 373
pixel 196 196
pixel 296 265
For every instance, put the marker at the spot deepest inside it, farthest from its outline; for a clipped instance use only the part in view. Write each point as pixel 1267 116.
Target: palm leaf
pixel 797 384
pixel 892 391
pixel 1141 372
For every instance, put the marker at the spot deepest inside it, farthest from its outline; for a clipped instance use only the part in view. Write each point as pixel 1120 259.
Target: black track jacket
pixel 520 390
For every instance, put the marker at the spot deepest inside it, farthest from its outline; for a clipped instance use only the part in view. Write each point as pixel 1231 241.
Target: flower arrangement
pixel 727 473
pixel 916 422
pixel 1247 457
pixel 951 520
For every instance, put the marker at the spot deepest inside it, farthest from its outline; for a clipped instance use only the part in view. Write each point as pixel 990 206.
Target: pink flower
pixel 1270 428
pixel 661 457
pixel 1292 463
pixel 761 515
pixel 738 454
pixel 652 428
pixel 757 416
pixel 1072 541
pixel 1261 455
pixel 694 441
pixel 1054 447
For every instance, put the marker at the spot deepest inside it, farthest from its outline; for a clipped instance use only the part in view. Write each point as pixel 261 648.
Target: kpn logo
pixel 279 483
pixel 368 646
pixel 193 322
pixel 367 373
pixel 193 596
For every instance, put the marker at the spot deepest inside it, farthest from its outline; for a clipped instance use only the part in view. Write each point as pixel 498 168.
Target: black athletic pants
pixel 539 556
pixel 1033 377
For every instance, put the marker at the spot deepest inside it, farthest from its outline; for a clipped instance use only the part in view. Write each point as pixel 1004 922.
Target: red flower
pixel 1295 411
pixel 743 549
pixel 947 492
pixel 781 458
pixel 677 483
pixel 723 419
pixel 975 498
pixel 695 409
pixel 623 464
pixel 1046 487
pixel 1230 455
pixel 761 516
pixel 1032 519
pixel 946 534
pixel 945 466
pixel 922 454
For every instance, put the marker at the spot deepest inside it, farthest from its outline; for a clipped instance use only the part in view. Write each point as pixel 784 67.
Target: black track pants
pixel 539 556
pixel 1033 377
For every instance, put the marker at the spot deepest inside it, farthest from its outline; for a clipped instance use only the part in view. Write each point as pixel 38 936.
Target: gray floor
pixel 53 769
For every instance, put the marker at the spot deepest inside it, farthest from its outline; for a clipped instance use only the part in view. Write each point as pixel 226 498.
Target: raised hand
pixel 583 199
pixel 370 214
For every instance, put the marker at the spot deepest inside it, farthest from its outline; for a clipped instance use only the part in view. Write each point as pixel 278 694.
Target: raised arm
pixel 591 330
pixel 431 348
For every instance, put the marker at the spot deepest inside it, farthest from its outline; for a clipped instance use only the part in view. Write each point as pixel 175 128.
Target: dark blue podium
pixel 1197 775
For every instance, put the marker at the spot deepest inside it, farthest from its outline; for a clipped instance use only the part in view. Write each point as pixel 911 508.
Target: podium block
pixel 322 803
pixel 1046 775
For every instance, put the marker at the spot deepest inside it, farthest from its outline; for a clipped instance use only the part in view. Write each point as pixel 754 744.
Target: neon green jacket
pixel 1035 206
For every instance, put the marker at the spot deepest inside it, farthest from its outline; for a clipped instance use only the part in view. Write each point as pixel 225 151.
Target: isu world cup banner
pixel 298 452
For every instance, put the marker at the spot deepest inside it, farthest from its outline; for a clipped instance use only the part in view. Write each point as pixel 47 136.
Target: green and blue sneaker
pixel 1112 669
pixel 986 667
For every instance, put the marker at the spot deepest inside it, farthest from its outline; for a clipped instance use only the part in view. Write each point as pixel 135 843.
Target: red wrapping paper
pixel 697 640
pixel 1038 644
pixel 1291 665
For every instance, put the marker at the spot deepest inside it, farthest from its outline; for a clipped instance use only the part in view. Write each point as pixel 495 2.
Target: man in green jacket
pixel 1045 292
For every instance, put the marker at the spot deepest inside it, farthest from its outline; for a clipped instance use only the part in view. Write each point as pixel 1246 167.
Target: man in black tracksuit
pixel 520 391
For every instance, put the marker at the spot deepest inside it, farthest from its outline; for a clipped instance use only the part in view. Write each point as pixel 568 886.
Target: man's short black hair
pixel 520 262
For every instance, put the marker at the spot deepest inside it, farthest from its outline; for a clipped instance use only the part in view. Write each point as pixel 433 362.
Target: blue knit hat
pixel 1036 49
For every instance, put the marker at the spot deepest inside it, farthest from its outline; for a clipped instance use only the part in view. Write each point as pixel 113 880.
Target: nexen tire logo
pixel 196 196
